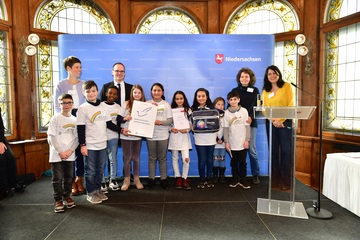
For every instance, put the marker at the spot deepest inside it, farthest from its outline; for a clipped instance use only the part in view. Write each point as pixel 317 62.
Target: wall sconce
pixel 27 48
pixel 303 50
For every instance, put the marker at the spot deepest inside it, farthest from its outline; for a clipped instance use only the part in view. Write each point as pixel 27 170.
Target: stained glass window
pixel 269 17
pixel 169 21
pixel 78 17
pixel 5 83
pixel 342 76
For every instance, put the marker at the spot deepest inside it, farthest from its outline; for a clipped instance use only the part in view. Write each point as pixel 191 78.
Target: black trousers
pixel 8 176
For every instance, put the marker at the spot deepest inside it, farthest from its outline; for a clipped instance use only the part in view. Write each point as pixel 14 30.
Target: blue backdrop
pixel 178 61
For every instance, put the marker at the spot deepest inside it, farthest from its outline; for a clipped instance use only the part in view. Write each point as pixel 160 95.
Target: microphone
pixel 313 95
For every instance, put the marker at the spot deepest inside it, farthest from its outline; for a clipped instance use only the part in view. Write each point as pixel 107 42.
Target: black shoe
pixel 164 183
pixel 19 188
pixel 151 184
pixel 256 180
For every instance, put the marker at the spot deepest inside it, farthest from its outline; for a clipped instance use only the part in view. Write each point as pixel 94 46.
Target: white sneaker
pixel 114 185
pixel 104 188
pixel 94 198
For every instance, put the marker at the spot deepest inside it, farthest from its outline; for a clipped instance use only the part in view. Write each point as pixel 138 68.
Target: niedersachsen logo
pixel 219 59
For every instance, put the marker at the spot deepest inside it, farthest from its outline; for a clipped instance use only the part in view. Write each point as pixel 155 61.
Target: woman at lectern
pixel 277 92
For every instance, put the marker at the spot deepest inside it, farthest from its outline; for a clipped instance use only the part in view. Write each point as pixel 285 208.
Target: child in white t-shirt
pixel 63 140
pixel 179 141
pixel 237 137
pixel 158 144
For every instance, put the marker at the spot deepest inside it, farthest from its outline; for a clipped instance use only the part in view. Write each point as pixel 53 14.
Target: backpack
pixel 206 121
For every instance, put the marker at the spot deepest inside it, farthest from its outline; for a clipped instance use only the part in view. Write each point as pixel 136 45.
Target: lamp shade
pixel 303 50
pixel 30 50
pixel 33 39
pixel 300 39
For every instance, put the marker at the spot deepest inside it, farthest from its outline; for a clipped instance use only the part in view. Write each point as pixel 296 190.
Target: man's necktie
pixel 119 98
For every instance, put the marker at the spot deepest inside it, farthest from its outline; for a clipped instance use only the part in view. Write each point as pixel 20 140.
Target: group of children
pixel 98 125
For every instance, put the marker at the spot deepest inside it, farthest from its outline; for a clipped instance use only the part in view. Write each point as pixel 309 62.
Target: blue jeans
pixel 219 157
pixel 111 152
pixel 62 176
pixel 254 162
pixel 94 169
pixel 205 160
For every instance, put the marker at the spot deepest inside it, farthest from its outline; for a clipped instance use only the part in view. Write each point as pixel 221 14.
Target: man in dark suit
pixel 118 72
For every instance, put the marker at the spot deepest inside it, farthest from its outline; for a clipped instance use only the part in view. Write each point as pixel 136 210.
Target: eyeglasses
pixel 66 103
pixel 119 71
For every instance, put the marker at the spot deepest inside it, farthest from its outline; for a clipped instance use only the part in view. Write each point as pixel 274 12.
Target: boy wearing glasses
pixel 63 140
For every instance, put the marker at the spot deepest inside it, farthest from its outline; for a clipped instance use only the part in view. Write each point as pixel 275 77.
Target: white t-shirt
pixel 94 118
pixel 236 122
pixel 114 110
pixel 163 113
pixel 63 130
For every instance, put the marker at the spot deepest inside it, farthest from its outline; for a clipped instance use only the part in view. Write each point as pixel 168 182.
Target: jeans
pixel 254 162
pixel 62 176
pixel 111 152
pixel 185 165
pixel 205 161
pixel 281 152
pixel 219 157
pixel 94 169
pixel 79 163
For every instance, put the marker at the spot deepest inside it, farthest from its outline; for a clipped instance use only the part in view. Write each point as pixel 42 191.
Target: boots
pixel 215 174
pixel 222 174
pixel 138 183
pixel 126 184
pixel 74 189
pixel 79 184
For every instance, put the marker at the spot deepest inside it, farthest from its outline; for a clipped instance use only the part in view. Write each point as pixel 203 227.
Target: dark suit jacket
pixel 109 84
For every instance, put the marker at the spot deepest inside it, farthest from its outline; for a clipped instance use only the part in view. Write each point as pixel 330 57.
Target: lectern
pixel 287 207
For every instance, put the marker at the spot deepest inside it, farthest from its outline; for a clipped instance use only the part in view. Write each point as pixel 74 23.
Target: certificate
pixel 143 119
pixel 180 119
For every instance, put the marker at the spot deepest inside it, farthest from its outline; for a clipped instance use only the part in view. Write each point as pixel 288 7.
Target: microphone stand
pixel 315 211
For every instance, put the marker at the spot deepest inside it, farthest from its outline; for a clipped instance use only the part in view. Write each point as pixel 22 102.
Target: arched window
pixel 6 102
pixel 342 64
pixel 168 20
pixel 269 17
pixel 61 17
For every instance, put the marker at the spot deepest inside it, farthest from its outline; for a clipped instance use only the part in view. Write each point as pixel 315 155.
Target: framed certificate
pixel 180 119
pixel 143 119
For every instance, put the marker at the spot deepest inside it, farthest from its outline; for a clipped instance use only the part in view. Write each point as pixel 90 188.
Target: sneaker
pixel 210 184
pixel 69 203
pixel 104 188
pixel 114 185
pixel 186 184
pixel 243 184
pixel 93 198
pixel 59 207
pixel 101 195
pixel 179 183
pixel 201 185
pixel 234 184
pixel 256 180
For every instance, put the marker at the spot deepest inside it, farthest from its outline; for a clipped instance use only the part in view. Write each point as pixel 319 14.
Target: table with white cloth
pixel 342 180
